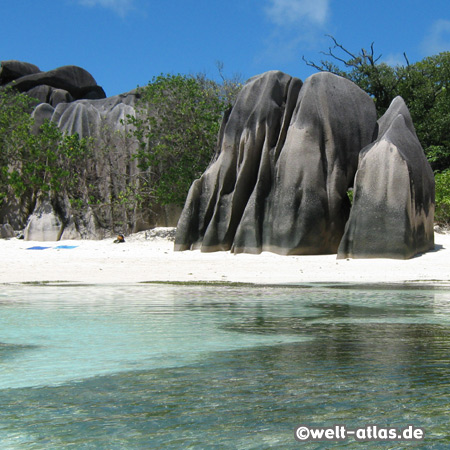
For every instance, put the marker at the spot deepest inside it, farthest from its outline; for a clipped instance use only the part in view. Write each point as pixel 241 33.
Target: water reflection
pixel 316 356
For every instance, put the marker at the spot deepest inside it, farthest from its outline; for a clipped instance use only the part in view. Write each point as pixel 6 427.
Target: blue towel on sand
pixel 38 247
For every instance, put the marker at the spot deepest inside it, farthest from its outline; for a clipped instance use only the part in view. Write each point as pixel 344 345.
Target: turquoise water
pixel 227 367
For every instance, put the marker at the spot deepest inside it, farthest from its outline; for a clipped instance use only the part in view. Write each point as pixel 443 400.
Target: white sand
pixel 153 259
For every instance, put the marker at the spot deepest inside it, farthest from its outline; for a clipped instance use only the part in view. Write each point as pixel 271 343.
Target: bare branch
pixel 406 59
pixel 336 44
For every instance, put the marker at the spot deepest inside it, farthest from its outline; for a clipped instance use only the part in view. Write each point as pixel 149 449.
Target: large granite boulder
pixel 249 135
pixel 46 94
pixel 287 155
pixel 12 70
pixel 89 117
pixel 76 81
pixel 393 206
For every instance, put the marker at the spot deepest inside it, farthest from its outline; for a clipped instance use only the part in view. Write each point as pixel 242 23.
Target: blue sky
pixel 124 43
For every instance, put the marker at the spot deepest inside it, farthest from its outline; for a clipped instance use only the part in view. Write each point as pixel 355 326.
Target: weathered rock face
pixel 70 97
pixel 217 200
pixel 111 167
pixel 287 155
pixel 393 205
pixel 88 118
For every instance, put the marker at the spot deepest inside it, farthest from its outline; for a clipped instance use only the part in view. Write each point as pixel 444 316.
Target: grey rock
pixel 393 204
pixel 42 112
pixel 70 231
pixel 287 155
pixel 16 211
pixel 47 94
pixel 75 80
pixel 41 93
pixel 6 231
pixel 44 224
pixel 110 165
pixel 12 70
pixel 70 97
pixel 58 96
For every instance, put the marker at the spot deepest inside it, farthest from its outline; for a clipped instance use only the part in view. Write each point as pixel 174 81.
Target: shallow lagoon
pixel 167 366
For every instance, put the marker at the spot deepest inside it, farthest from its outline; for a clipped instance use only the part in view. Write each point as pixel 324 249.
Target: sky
pixel 125 43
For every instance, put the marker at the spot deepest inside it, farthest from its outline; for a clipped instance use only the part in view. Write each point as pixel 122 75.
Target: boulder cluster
pixel 289 152
pixel 70 97
pixel 288 155
pixel 62 85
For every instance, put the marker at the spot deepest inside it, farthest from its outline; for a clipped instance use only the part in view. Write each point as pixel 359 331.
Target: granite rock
pixel 286 156
pixel 12 70
pixel 44 224
pixel 393 205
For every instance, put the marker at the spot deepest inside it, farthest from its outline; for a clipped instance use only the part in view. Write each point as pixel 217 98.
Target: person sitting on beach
pixel 120 239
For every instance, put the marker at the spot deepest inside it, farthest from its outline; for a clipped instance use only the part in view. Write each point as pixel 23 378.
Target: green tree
pixel 15 138
pixel 176 125
pixel 423 86
pixel 442 212
pixel 35 163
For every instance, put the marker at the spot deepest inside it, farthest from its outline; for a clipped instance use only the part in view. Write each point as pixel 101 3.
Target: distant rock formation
pixel 287 155
pixel 13 70
pixel 44 224
pixel 393 202
pixel 64 84
pixel 70 97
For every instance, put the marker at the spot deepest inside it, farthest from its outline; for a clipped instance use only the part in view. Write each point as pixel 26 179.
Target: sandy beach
pixel 146 257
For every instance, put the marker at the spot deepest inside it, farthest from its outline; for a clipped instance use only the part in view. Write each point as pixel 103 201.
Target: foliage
pixel 35 163
pixel 15 124
pixel 150 162
pixel 442 212
pixel 423 86
pixel 176 126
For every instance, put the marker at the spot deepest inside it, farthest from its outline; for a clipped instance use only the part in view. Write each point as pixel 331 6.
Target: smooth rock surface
pixel 73 79
pixel 393 204
pixel 287 155
pixel 6 231
pixel 12 70
pixel 44 224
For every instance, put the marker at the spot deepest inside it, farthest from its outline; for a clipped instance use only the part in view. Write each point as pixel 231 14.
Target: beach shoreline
pixel 147 257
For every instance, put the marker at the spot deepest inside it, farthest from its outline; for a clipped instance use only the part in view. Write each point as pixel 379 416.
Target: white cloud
pixel 120 7
pixel 292 12
pixel 296 25
pixel 438 39
pixel 394 59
